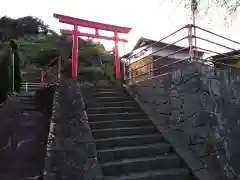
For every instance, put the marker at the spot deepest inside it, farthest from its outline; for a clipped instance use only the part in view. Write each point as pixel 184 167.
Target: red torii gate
pixel 95 25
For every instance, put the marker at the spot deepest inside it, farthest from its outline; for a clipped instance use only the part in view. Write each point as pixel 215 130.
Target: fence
pixel 168 57
pixel 191 87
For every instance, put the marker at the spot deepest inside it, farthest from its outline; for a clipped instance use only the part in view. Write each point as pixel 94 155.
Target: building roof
pixel 145 42
pixel 126 55
pixel 227 56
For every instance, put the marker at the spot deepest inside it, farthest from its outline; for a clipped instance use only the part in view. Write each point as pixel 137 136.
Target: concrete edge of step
pixel 91 168
pixel 194 163
pixel 99 174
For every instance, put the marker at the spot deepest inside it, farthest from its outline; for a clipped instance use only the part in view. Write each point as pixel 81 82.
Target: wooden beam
pixel 91 24
pixel 64 31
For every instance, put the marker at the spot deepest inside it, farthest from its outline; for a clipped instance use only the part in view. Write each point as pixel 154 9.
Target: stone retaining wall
pixel 200 105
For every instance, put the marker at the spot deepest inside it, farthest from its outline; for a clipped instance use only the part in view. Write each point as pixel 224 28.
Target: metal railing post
pixel 59 68
pixel 190 42
pixel 42 73
pixel 26 88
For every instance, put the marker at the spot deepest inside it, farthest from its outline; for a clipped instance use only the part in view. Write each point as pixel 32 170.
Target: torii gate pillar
pixel 97 26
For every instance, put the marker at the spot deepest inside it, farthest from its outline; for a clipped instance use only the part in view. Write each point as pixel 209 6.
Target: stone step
pixel 126 131
pixel 100 110
pixel 149 150
pixel 29 89
pixel 26 94
pixel 108 94
pixel 112 99
pixel 128 144
pixel 26 98
pixel 119 123
pixel 105 89
pixel 115 168
pixel 30 103
pixel 170 174
pixel 32 85
pixel 112 104
pixel 116 116
pixel 137 140
pixel 30 108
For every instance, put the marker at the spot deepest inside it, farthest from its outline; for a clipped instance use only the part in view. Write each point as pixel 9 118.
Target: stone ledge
pixel 71 150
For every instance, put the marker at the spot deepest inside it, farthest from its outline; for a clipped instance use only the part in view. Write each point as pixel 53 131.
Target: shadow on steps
pixel 23 136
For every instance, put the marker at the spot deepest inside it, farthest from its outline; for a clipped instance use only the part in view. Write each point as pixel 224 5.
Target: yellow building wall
pixel 140 70
pixel 231 62
pixel 238 63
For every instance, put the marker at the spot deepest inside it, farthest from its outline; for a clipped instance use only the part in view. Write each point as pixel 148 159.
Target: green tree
pixel 230 5
pixel 17 74
pixel 5 64
pixel 11 29
pixel 15 28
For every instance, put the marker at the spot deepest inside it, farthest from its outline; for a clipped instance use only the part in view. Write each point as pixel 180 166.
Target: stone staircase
pixel 129 146
pixel 31 87
pixel 31 134
pixel 27 148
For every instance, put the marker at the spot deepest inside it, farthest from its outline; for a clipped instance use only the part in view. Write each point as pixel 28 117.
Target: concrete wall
pixel 200 105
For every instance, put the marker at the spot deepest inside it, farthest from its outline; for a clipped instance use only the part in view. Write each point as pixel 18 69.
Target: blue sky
pixel 152 19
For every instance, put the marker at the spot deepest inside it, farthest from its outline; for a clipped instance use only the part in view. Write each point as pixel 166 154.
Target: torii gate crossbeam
pixel 97 26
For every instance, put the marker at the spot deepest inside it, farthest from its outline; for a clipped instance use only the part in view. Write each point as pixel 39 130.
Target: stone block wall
pixel 44 99
pixel 200 105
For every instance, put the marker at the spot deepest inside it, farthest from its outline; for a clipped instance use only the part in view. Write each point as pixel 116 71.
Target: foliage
pixel 46 56
pixel 5 56
pixel 224 11
pixel 94 55
pixel 38 46
pixel 230 5
pixel 6 69
pixel 17 74
pixel 11 29
pixel 15 28
pixel 91 74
